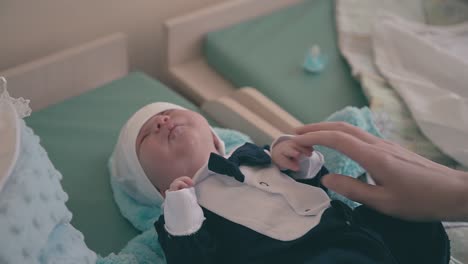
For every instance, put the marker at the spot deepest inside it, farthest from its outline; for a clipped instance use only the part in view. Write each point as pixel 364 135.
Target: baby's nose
pixel 163 120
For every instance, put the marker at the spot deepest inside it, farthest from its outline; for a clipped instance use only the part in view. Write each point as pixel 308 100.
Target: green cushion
pixel 267 53
pixel 79 135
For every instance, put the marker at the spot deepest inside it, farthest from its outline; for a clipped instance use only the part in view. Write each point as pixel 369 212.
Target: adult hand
pixel 407 186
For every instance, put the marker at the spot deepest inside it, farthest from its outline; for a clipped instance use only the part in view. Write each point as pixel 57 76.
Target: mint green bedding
pixel 79 135
pixel 267 53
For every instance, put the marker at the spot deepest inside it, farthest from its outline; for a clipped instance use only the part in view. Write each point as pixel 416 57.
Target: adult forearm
pixel 456 197
pixel 464 196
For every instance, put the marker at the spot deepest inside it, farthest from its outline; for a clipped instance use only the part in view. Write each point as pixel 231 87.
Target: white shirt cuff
pixel 182 213
pixel 309 166
pixel 280 139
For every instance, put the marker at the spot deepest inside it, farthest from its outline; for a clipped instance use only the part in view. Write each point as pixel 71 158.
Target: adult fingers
pixel 291 152
pixel 352 147
pixel 339 126
pixel 356 190
pixel 411 157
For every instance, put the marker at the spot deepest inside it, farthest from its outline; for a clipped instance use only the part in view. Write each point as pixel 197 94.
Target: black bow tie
pixel 248 154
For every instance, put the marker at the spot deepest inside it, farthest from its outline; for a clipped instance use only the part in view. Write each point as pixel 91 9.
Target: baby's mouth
pixel 175 131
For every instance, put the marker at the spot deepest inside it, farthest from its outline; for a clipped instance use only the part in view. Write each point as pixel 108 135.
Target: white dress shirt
pixel 268 201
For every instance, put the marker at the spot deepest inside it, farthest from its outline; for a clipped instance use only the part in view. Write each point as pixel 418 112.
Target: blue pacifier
pixel 314 61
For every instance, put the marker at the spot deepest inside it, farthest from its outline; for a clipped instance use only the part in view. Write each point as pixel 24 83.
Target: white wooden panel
pixel 70 72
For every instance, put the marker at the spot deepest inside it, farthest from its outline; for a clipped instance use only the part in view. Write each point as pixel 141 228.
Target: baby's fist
pixel 181 183
pixel 286 154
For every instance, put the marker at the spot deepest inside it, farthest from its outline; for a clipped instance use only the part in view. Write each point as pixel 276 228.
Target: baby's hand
pixel 286 154
pixel 181 183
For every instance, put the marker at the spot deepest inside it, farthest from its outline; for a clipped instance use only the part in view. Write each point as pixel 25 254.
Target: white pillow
pixel 9 137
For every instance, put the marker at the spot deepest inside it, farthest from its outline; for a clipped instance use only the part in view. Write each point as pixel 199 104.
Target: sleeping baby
pixel 253 205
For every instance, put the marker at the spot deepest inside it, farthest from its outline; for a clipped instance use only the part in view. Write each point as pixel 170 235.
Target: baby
pixel 244 208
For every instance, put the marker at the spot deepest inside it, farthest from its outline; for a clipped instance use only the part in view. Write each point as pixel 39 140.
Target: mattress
pixel 267 53
pixel 79 135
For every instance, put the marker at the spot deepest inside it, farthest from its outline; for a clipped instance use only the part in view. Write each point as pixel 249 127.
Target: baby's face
pixel 172 144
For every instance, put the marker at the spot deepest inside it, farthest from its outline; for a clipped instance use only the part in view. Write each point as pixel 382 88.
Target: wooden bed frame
pixel 196 80
pixel 68 73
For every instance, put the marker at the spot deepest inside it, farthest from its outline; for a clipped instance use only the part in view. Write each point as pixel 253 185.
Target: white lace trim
pixel 21 105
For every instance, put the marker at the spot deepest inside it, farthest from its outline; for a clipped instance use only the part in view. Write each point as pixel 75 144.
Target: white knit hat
pixel 124 164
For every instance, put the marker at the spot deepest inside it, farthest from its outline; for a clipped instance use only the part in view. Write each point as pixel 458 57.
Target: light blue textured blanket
pixel 145 247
